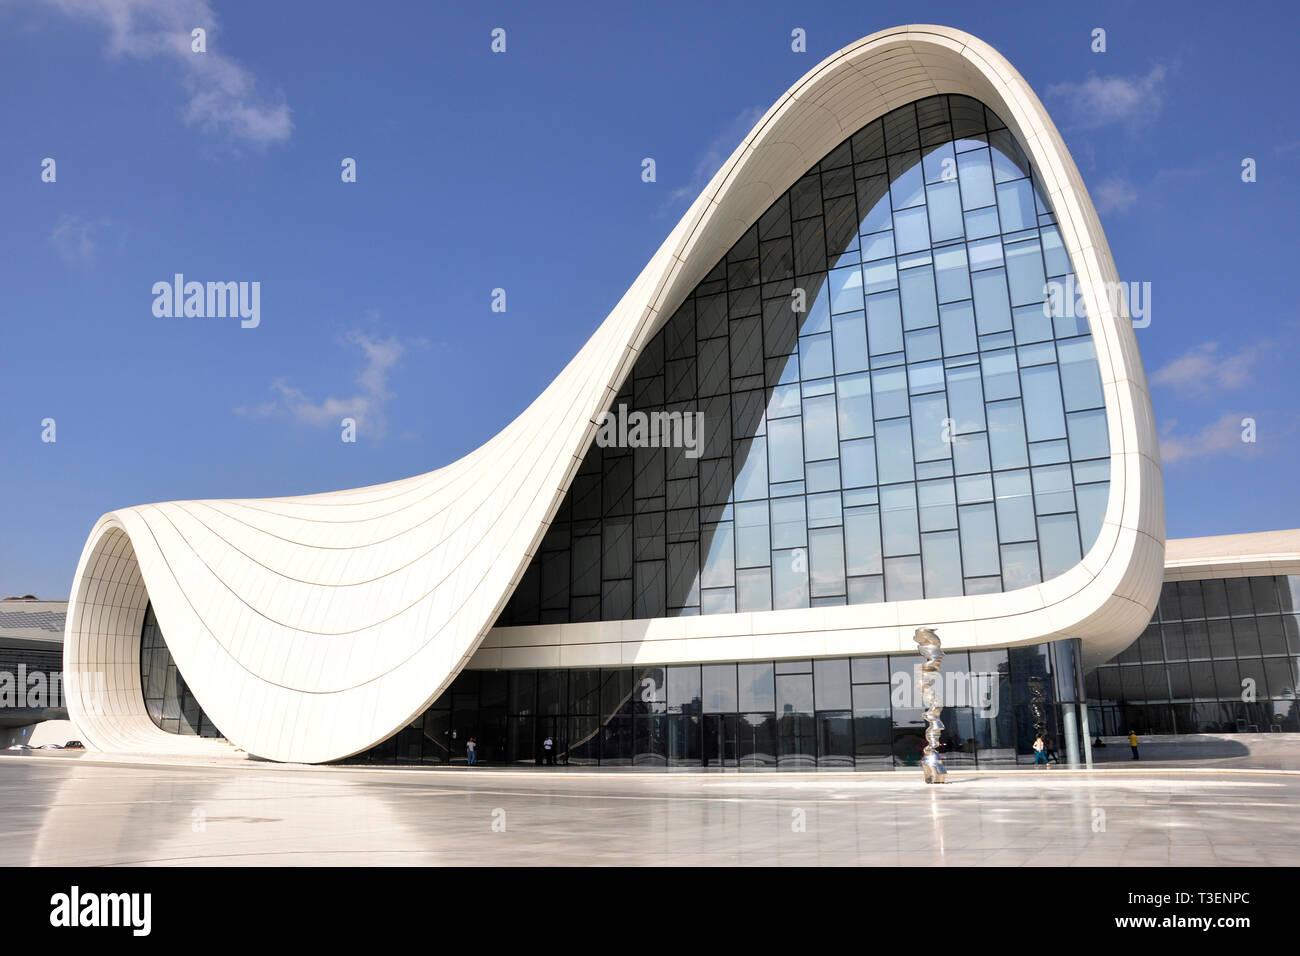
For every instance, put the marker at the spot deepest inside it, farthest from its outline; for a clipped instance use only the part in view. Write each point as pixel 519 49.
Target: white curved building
pixel 855 308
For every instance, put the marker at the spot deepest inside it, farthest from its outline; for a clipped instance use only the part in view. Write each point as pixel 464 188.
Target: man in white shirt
pixel 548 747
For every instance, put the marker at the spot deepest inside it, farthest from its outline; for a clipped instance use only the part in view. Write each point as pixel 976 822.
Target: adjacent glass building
pixel 1221 656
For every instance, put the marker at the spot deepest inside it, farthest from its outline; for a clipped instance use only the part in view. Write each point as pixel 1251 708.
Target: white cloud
pixel 1202 371
pixel 1114 195
pixel 367 405
pixel 717 153
pixel 75 238
pixel 223 94
pixel 1217 439
pixel 1100 100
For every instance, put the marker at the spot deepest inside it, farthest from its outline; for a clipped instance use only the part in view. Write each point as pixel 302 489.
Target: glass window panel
pixel 907 187
pixel 867 590
pixel 720 562
pixel 823 510
pixel 1058 263
pixel 920 308
pixel 845 289
pixel 971 454
pixel 877 246
pixel 923 345
pixel 1044 414
pixel 957 322
pixel 820 437
pixel 899 520
pixel 894 450
pixel 1001 375
pixel 1263 592
pixel 684 689
pixel 952 278
pixel 1007 446
pixel 1025 273
pixel 1058 539
pixel 965 399
pixel 884 323
pixel 944 202
pixel 815 358
pixel 1092 500
pixel 858 463
pixel 889 392
pixel 938 505
pixel 1015 506
pixel 753 547
pixel 903 579
pixel 719 688
pixel 911 230
pixel 930 427
pixel 1032 324
pixel 1088 435
pixel 975 174
pixel 826 550
pixel 754 589
pixel 785 450
pixel 985 253
pixel 979 540
pixel 1019 566
pixel 850 341
pixel 1053 489
pixel 789 523
pixel 1016 206
pixel 790 578
pixel 941 559
pixel 982 223
pixel 831 688
pixel 757 690
pixel 862 540
pixel 992 305
pixel 854 405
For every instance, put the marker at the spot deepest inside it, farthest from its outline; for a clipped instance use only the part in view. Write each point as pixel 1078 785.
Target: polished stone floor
pixel 59 810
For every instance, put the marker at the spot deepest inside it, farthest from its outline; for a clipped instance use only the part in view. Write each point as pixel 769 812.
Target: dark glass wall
pixel 889 409
pixel 836 713
pixel 166 697
pixel 1220 656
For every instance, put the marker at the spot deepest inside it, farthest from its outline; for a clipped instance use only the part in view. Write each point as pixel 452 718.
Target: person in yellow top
pixel 1133 742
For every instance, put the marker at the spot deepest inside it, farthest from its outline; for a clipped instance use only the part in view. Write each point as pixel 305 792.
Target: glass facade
pixel 1220 656
pixel 169 702
pixel 847 713
pixel 889 409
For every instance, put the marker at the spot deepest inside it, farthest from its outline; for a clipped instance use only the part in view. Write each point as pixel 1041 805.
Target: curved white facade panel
pixel 310 628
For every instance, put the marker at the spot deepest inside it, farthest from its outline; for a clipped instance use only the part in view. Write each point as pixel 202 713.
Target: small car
pixel 74 745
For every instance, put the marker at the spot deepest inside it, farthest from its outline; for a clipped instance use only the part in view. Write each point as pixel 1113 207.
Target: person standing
pixel 1040 753
pixel 548 750
pixel 471 751
pixel 1133 742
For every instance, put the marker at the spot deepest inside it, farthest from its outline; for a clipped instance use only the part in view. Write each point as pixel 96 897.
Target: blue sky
pixel 521 171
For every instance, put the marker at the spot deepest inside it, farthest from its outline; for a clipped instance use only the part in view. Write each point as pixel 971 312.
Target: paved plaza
pixel 64 809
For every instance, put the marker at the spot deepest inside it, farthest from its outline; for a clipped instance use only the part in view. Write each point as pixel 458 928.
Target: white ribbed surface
pixel 313 627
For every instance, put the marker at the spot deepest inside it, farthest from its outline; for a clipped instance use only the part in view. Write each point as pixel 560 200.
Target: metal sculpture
pixel 927 642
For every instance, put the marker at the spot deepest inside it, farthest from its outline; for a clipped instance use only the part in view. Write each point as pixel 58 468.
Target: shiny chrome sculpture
pixel 927 642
